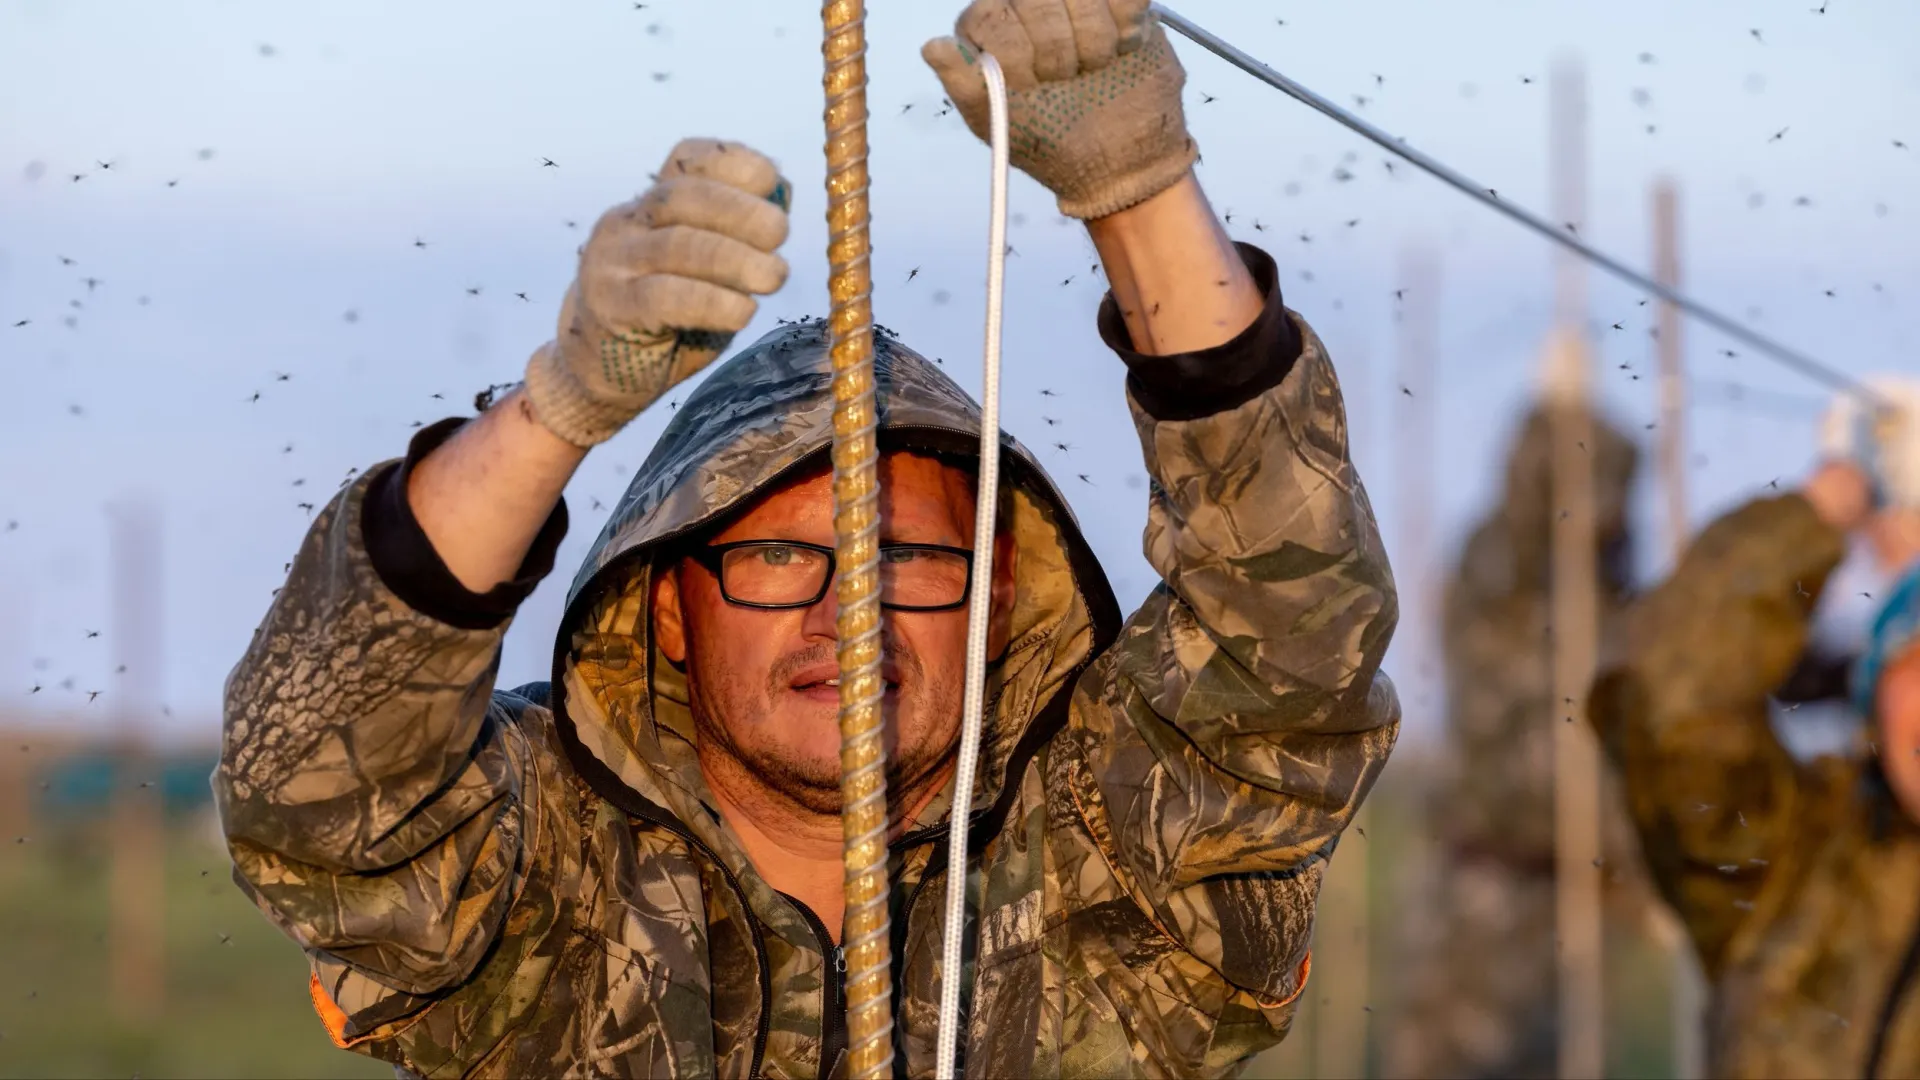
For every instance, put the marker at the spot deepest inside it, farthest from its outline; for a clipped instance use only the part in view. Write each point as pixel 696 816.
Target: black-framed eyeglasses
pixel 777 574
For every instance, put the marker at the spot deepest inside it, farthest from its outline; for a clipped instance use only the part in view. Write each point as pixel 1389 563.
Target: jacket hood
pixel 761 416
pixel 1527 511
pixel 1529 474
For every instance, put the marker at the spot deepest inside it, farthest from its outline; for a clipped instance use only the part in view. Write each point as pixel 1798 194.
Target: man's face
pixel 759 678
pixel 1898 704
pixel 1895 537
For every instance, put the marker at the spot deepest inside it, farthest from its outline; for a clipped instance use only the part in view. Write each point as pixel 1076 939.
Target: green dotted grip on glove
pixel 635 370
pixel 1103 140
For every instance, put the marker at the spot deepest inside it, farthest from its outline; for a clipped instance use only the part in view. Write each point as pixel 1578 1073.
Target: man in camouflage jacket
pixel 1478 984
pixel 544 881
pixel 1798 882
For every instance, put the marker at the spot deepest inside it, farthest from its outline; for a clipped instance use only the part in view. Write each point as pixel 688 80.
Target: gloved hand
pixel 1093 96
pixel 1882 437
pixel 665 281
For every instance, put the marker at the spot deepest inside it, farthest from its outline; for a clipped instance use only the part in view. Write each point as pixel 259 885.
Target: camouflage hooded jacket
pixel 1491 890
pixel 535 882
pixel 1799 883
pixel 1497 803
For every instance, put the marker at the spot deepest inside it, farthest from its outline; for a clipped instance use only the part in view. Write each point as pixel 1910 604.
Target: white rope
pixel 980 597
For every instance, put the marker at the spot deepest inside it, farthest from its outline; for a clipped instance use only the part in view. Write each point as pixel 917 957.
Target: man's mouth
pixel 816 681
pixel 834 684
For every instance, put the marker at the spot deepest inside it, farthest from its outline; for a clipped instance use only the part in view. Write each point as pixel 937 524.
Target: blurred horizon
pixel 313 146
pixel 245 250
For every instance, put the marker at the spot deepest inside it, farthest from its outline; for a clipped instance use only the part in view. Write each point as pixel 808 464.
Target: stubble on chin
pixel 762 773
pixel 810 784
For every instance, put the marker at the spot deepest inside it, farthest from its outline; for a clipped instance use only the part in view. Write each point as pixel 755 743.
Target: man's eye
pixel 899 554
pixel 777 556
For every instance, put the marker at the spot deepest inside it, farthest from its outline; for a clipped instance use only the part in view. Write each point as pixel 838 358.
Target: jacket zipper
pixel 1890 1009
pixel 1044 726
pixel 833 992
pixel 608 785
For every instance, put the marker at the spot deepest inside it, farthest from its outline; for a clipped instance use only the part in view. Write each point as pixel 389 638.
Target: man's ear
pixel 669 622
pixel 1006 554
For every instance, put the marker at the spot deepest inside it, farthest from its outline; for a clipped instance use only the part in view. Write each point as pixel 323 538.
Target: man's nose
pixel 819 621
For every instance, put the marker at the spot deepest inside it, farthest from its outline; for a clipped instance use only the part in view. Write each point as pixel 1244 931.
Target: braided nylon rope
pixel 980 601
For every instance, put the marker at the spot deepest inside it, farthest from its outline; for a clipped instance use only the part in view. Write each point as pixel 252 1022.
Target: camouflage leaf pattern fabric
pixel 1799 883
pixel 1491 813
pixel 535 882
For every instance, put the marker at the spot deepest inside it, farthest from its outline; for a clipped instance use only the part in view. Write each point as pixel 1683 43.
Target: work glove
pixel 1881 437
pixel 1093 96
pixel 665 281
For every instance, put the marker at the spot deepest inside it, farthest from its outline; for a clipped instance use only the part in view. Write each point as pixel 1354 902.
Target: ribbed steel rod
pixel 864 937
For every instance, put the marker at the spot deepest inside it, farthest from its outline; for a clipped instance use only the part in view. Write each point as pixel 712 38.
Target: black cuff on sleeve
pixel 1188 386
pixel 407 564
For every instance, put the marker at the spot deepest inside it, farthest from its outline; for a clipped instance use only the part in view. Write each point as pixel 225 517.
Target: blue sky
pixel 313 144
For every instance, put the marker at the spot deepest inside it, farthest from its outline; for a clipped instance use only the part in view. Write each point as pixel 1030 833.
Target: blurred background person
pixel 1798 880
pixel 244 246
pixel 1478 960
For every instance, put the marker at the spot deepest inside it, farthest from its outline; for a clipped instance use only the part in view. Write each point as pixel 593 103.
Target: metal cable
pixel 1767 347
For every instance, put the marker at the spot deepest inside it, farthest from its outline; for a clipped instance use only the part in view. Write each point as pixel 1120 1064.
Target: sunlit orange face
pixel 764 682
pixel 1898 709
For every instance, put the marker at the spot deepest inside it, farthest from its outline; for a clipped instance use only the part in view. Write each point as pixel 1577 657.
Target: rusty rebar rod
pixel 864 939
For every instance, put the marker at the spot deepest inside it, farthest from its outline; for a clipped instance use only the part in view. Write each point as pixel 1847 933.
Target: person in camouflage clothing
pixel 633 868
pixel 1799 882
pixel 1478 981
